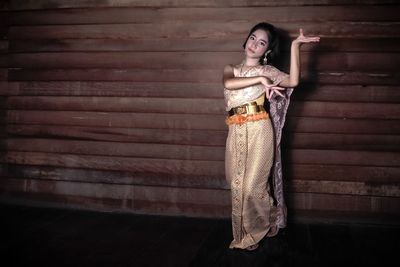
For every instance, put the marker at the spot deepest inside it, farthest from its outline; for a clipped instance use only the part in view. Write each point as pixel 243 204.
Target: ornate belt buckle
pixel 241 110
pixel 251 109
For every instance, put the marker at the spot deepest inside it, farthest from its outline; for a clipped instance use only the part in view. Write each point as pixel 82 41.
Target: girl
pixel 253 143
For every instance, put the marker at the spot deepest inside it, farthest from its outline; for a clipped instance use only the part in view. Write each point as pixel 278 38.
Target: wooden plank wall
pixel 118 105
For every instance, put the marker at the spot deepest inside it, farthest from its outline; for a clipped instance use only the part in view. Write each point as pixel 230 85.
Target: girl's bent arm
pixel 233 83
pixel 294 76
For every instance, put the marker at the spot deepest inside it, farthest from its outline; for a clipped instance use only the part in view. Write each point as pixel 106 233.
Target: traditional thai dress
pixel 252 154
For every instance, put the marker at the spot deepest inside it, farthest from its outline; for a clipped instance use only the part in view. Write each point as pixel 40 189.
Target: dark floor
pixel 54 237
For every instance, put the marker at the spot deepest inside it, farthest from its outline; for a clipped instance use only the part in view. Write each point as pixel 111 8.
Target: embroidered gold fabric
pixel 248 161
pixel 252 154
pixel 234 98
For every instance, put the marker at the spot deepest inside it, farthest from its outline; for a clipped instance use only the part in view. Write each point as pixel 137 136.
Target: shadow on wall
pixel 308 85
pixel 3 137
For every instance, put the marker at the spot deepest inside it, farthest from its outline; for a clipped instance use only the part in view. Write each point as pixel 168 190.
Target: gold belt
pixel 248 108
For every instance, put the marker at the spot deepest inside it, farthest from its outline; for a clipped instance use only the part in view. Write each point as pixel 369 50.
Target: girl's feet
pixel 252 247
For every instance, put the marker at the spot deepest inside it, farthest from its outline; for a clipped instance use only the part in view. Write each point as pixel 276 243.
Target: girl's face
pixel 257 44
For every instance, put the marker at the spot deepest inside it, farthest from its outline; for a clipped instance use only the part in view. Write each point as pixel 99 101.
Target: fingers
pixel 270 95
pixel 274 85
pixel 307 39
pixel 277 88
pixel 267 91
pixel 312 39
pixel 270 91
pixel 278 93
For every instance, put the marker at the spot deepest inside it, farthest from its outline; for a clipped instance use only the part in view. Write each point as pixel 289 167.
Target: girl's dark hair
pixel 273 41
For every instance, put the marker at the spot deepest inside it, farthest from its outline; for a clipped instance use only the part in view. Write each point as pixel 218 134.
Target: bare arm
pixel 294 75
pixel 233 83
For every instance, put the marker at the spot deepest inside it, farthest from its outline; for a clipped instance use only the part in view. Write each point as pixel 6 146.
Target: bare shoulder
pixel 229 70
pixel 228 67
pixel 269 69
pixel 232 69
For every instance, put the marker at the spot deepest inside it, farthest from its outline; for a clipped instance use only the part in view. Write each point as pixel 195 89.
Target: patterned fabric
pixel 249 158
pixel 235 98
pixel 278 110
pixel 251 152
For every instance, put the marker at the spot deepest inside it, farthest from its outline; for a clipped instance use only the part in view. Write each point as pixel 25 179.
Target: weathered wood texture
pixel 119 104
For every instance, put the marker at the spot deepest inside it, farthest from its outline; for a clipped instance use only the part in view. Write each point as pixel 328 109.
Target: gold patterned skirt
pixel 248 161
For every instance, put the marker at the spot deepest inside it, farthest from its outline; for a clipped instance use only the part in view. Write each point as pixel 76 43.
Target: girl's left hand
pixel 301 39
pixel 270 89
pixel 275 89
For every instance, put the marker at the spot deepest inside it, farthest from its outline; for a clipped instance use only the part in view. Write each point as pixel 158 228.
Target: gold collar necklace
pixel 242 74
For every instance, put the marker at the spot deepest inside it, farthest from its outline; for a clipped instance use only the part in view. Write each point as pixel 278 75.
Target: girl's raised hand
pixel 301 39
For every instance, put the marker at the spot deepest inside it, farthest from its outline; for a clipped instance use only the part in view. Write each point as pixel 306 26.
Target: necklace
pixel 242 74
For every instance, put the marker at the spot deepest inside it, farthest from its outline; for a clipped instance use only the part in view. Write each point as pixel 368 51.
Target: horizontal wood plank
pixel 348 126
pixel 125 120
pixel 121 60
pixel 304 92
pixel 119 104
pixel 113 177
pixel 345 110
pixel 193 121
pixel 133 75
pixel 369 176
pixel 4 46
pixel 136 165
pixel 381 142
pixel 178 195
pixel 3 74
pixel 187 44
pixel 149 15
pixel 196 106
pixel 3 61
pixel 3 29
pixel 333 186
pixel 347 93
pixel 337 157
pixel 194 60
pixel 128 89
pixel 161 200
pixel 344 188
pixel 201 30
pixel 332 202
pixel 164 136
pixel 342 141
pixel 183 165
pixel 129 195
pixel 46 4
pixel 191 76
pixel 138 150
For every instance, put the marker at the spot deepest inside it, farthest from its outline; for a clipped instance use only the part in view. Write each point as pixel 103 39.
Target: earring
pixel 265 60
